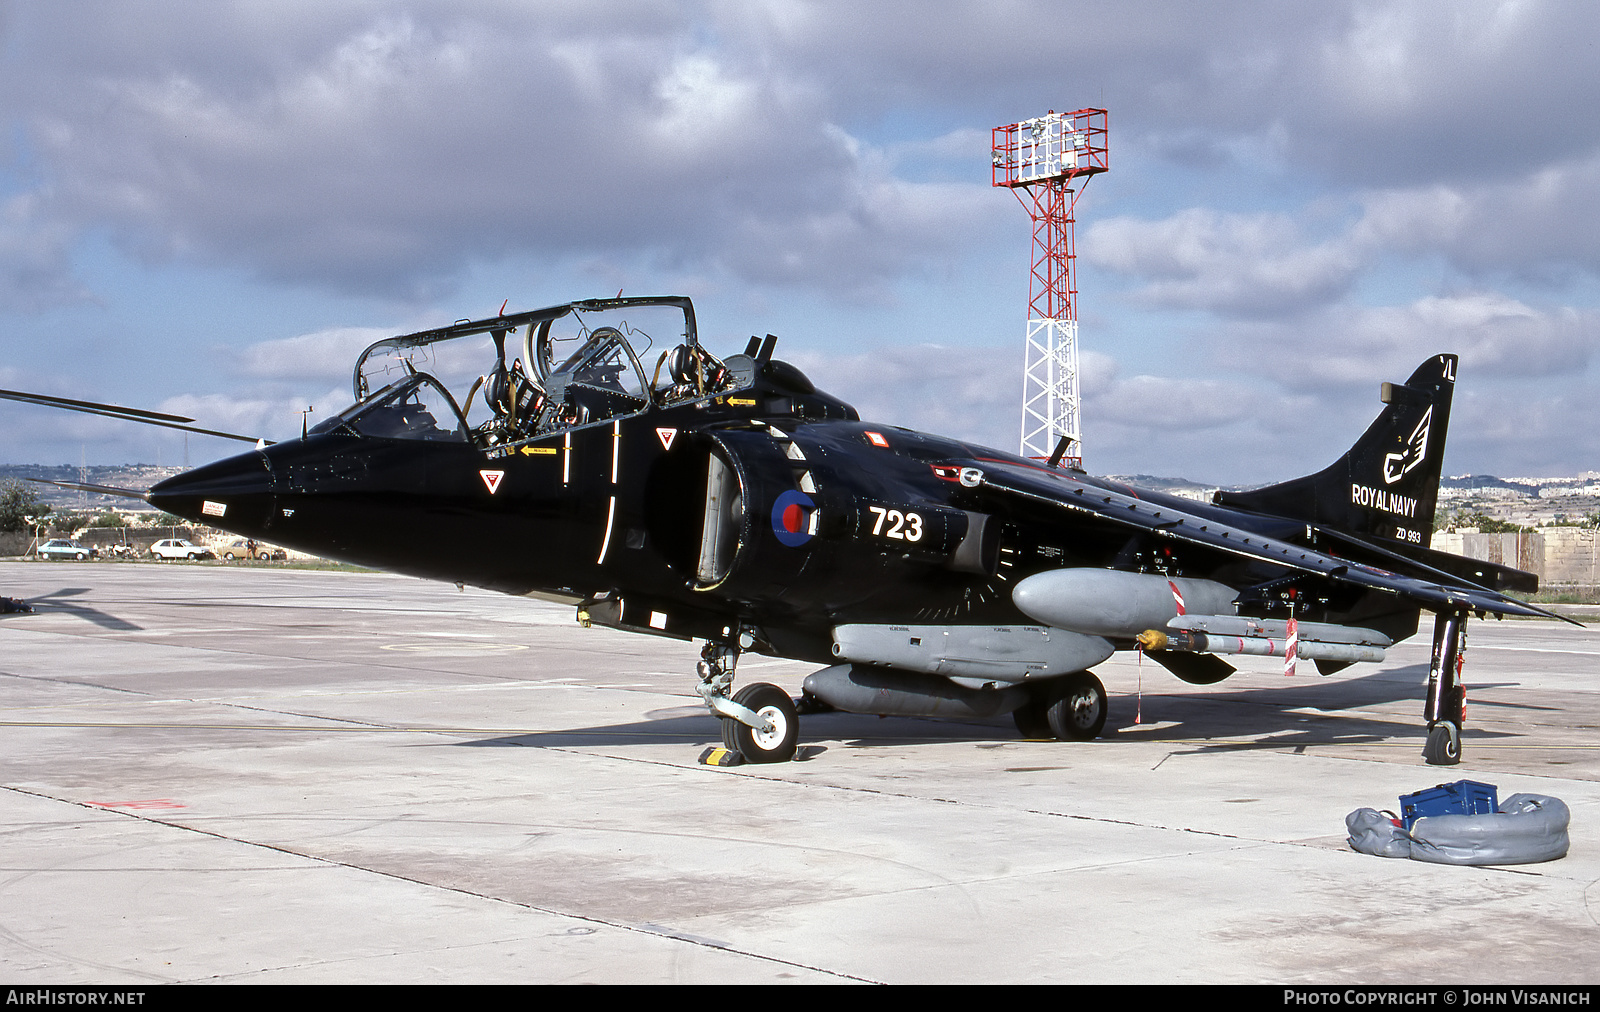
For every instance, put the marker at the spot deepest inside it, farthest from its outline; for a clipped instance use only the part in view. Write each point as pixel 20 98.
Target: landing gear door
pixel 724 516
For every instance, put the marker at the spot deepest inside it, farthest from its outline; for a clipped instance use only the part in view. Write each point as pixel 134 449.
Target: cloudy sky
pixel 209 207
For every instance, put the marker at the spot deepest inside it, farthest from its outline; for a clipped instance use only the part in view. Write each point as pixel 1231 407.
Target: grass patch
pixel 320 565
pixel 1566 595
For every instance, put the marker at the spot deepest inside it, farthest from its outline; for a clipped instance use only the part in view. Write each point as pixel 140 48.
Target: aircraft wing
pixel 1437 589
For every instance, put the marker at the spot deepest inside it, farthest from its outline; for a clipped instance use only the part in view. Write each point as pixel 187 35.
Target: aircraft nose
pixel 233 494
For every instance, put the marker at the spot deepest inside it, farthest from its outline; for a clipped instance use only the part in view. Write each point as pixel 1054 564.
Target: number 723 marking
pixel 894 524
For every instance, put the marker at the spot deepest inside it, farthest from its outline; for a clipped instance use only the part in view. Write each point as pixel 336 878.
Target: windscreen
pixel 414 408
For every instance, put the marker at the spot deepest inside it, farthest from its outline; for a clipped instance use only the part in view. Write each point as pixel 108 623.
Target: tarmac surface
pixel 223 775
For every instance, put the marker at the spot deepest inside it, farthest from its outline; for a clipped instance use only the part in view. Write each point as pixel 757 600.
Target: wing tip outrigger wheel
pixel 1445 705
pixel 1444 745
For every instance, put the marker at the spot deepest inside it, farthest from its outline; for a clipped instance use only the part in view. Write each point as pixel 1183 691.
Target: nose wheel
pixel 774 742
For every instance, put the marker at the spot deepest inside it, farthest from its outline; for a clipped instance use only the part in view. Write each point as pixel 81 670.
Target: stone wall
pixel 1559 556
pixel 1571 556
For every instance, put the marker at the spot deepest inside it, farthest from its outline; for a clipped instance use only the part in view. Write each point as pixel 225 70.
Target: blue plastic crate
pixel 1464 797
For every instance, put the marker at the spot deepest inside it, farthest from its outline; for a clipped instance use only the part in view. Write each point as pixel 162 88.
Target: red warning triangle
pixel 491 479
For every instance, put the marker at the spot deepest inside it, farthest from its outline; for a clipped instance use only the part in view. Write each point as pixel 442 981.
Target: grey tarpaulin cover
pixel 1374 832
pixel 1527 829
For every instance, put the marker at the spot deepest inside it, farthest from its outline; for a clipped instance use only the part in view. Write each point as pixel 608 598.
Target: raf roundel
pixel 791 518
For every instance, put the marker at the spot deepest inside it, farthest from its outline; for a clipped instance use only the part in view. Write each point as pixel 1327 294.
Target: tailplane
pixel 1388 484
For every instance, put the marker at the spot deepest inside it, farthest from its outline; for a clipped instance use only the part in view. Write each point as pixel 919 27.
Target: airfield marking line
pixel 1531 650
pixel 359 727
pixel 348 725
pixel 395 876
pixel 366 660
pixel 243 700
pixel 1476 744
pixel 212 700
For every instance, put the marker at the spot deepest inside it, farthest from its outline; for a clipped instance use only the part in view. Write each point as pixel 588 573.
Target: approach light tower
pixel 1041 160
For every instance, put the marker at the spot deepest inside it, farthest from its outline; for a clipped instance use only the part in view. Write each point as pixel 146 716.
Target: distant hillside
pixel 1470 482
pixel 1163 484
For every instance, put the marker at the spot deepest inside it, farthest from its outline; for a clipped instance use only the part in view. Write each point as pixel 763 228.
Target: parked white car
pixel 180 548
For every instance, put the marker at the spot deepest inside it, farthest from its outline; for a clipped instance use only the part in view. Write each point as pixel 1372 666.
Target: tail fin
pixel 1388 484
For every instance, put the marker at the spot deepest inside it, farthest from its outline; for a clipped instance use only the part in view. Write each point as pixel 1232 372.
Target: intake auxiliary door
pixel 724 515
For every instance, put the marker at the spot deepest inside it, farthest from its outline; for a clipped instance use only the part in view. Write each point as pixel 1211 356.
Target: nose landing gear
pixel 759 722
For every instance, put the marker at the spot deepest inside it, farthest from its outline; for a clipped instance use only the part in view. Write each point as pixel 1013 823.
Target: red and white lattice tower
pixel 1046 161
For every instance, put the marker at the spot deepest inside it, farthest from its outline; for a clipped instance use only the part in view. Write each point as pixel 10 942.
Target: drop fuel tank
pixel 1108 602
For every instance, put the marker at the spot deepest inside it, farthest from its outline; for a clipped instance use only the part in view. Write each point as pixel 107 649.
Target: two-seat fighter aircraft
pixel 606 458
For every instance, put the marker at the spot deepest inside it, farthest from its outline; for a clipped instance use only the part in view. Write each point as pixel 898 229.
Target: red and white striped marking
pixel 1292 647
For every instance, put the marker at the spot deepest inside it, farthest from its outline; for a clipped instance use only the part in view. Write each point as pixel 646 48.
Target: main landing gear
pixel 760 721
pixel 1445 709
pixel 1071 708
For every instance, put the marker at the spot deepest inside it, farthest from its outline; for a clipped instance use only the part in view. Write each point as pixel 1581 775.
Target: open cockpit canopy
pixel 520 376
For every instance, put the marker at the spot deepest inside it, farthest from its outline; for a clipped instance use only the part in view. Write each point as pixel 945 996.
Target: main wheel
pixel 1444 745
pixel 1078 711
pixel 775 746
